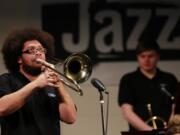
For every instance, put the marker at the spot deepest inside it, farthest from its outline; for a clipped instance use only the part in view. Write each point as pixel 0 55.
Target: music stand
pixel 153 132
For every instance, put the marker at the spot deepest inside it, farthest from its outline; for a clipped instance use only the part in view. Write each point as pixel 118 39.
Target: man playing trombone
pixel 32 97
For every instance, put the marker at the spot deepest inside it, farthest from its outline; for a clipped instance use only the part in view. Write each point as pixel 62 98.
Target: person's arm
pixel 12 102
pixel 133 119
pixel 172 112
pixel 67 108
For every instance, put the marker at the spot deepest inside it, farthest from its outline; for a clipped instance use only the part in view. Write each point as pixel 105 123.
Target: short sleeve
pixel 4 84
pixel 125 91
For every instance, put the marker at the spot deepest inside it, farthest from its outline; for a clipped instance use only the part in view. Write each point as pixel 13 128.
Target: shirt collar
pixel 141 74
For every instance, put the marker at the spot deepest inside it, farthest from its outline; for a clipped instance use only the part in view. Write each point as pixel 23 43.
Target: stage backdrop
pixel 109 31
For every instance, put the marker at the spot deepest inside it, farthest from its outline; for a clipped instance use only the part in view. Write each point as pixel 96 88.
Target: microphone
pixel 99 85
pixel 166 92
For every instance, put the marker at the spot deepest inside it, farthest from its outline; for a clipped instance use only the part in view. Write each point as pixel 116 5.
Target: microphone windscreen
pixel 98 84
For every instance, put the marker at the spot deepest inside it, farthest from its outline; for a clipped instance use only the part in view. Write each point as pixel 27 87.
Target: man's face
pixel 148 60
pixel 31 51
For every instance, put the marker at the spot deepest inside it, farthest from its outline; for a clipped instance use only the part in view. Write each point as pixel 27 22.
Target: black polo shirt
pixel 138 90
pixel 39 115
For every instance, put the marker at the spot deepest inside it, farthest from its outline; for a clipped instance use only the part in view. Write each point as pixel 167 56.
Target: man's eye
pixel 31 50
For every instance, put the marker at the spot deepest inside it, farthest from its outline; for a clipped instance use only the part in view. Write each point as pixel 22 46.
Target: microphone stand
pixel 101 98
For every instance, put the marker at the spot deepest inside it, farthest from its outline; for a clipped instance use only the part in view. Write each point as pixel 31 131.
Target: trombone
pixel 77 68
pixel 154 119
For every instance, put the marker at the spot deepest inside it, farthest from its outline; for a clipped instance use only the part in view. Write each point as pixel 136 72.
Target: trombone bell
pixel 78 67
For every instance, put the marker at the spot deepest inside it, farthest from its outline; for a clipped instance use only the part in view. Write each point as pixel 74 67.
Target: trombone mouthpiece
pixel 39 61
pixel 44 63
